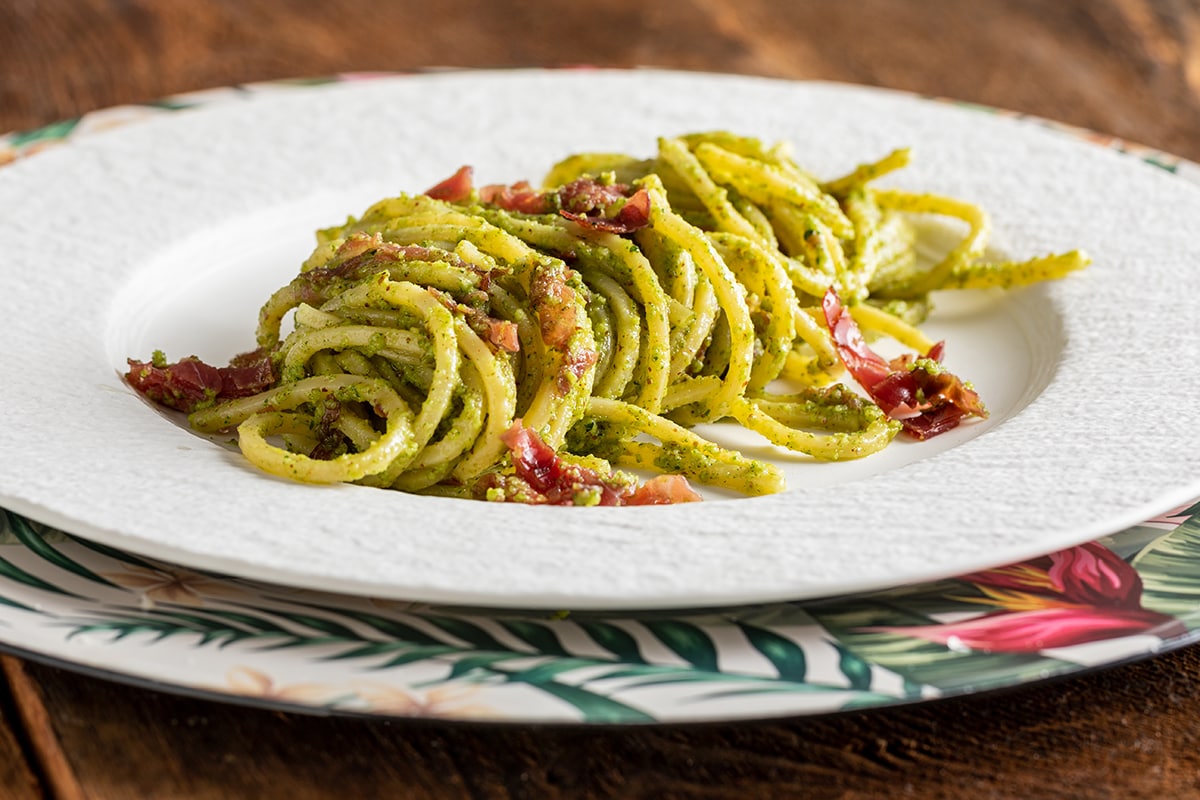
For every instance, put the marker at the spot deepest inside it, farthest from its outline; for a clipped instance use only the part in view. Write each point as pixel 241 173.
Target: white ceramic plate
pixel 169 234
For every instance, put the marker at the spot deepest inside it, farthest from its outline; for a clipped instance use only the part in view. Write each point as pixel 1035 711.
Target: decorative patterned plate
pixel 86 606
pixel 83 605
pixel 168 234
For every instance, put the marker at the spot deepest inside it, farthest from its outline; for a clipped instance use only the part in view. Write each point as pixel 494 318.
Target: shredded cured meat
pixel 247 374
pixel 330 441
pixel 588 196
pixel 663 490
pixel 363 254
pixel 541 477
pixel 554 304
pixel 501 333
pixel 456 188
pixel 606 207
pixel 589 203
pixel 926 398
pixel 520 197
pixel 553 301
pixel 190 383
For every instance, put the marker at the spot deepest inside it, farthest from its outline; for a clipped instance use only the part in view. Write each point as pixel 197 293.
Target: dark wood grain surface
pixel 1124 67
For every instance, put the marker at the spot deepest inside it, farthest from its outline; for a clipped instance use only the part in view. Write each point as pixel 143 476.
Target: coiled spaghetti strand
pixel 687 341
pixel 500 403
pixel 265 414
pixel 437 460
pixel 713 197
pixel 766 280
pixel 439 325
pixel 682 451
pixel 730 296
pixel 970 248
pixel 626 322
pixel 764 183
pixel 878 431
pixel 625 263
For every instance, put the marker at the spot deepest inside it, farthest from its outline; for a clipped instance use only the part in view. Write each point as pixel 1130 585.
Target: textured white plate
pixel 170 233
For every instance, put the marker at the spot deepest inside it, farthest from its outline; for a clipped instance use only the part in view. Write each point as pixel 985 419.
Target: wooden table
pixel 1124 67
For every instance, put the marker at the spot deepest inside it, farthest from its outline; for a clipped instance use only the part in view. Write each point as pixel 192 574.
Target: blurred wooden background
pixel 1126 67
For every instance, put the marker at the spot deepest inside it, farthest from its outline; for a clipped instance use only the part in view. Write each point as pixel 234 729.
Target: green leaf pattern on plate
pixel 294 648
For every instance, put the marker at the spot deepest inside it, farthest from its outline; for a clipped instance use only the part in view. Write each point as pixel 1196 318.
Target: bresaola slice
pixel 520 197
pixel 590 203
pixel 918 391
pixel 189 384
pixel 455 189
pixel 595 205
pixel 542 477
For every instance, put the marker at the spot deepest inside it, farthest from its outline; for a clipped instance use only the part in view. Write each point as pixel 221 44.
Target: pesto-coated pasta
pixel 473 340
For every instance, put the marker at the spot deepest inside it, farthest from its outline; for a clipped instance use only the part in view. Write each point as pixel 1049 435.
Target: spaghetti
pixel 522 343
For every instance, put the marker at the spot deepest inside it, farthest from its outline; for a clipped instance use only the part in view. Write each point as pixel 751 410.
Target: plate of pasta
pixel 658 340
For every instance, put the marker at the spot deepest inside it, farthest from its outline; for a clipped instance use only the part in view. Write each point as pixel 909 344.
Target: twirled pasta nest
pixel 519 343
